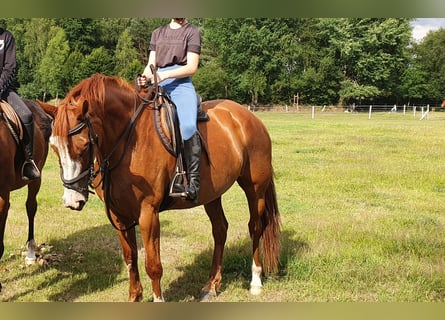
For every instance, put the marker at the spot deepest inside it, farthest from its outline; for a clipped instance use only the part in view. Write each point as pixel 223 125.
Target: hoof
pixel 255 290
pixel 30 253
pixel 156 299
pixel 207 296
pixel 29 261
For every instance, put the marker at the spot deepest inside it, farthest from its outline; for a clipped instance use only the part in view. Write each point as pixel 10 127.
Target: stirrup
pixel 33 173
pixel 177 184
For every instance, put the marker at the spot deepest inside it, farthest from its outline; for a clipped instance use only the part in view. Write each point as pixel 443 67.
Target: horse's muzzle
pixel 74 200
pixel 78 207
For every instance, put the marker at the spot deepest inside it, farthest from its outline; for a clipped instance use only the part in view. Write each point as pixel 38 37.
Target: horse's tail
pixel 271 231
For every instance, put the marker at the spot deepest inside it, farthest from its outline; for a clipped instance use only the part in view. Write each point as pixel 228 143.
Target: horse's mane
pixel 91 89
pixel 42 119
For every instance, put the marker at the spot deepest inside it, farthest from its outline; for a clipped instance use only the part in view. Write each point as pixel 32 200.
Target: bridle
pixel 104 167
pixel 74 184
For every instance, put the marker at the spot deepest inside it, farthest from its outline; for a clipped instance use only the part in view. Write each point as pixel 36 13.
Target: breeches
pixel 183 94
pixel 20 107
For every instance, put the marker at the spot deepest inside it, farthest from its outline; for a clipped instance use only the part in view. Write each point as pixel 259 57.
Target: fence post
pixel 313 112
pixel 404 109
pixel 425 114
pixel 370 111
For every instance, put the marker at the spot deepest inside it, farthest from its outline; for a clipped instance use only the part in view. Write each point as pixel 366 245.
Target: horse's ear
pixel 85 106
pixel 48 108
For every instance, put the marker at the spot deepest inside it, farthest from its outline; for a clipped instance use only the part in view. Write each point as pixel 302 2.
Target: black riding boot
pixel 192 157
pixel 29 168
pixel 192 149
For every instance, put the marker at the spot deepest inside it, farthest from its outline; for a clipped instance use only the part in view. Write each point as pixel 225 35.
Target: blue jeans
pixel 183 94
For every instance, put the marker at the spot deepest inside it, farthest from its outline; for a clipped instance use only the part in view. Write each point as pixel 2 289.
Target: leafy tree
pixel 51 72
pixel 32 45
pixel 351 90
pixel 73 67
pixel 126 63
pixel 429 61
pixel 98 61
pixel 371 52
pixel 210 81
pixel 82 33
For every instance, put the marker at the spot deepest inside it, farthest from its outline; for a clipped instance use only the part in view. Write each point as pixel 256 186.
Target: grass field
pixel 362 212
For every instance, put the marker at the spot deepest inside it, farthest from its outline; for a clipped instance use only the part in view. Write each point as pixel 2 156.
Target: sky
pixel 422 26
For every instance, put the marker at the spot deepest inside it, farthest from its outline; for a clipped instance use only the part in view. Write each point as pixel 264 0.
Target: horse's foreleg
pixel 220 225
pixel 130 254
pixel 151 233
pixel 4 207
pixel 31 209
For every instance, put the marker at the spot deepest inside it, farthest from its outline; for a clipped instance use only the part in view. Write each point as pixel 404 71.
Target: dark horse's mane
pixel 41 118
pixel 89 89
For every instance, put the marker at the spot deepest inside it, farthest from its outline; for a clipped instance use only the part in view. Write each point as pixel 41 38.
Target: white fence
pixel 422 112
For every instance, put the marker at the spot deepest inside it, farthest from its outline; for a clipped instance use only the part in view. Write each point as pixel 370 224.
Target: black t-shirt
pixel 171 45
pixel 7 60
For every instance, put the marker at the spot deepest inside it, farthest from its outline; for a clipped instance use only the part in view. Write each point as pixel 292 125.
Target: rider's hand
pixel 142 80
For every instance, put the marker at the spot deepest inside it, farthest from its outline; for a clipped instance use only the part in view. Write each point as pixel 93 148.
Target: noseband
pixel 75 183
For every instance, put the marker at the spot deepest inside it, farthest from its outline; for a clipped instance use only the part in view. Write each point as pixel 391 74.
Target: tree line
pixel 325 61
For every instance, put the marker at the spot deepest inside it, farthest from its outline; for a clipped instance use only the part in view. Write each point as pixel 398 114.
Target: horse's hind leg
pixel 220 225
pixel 31 209
pixel 256 202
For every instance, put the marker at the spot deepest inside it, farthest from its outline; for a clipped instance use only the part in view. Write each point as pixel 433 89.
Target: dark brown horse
pixel 11 159
pixel 107 119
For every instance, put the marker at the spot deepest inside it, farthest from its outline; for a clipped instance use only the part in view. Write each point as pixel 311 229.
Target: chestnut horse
pixel 11 159
pixel 104 135
pixel 443 104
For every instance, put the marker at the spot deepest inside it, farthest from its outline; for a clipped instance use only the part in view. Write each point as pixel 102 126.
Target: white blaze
pixel 70 169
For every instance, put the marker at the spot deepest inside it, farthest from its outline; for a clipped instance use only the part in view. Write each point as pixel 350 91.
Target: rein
pixel 105 168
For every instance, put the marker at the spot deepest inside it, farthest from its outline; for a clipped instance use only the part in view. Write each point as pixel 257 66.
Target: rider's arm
pixel 8 69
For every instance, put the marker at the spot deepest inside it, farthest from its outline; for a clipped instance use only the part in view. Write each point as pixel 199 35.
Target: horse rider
pixel 174 51
pixel 8 70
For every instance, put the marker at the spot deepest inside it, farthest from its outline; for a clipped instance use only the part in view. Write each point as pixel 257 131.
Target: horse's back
pixel 10 160
pixel 238 125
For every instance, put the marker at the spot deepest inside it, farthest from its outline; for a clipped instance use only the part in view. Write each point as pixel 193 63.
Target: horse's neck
pixel 119 126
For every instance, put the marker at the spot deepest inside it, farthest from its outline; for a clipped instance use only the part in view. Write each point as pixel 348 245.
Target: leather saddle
pixel 167 128
pixel 12 121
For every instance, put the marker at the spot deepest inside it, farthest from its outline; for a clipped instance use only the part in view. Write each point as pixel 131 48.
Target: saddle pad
pixel 12 117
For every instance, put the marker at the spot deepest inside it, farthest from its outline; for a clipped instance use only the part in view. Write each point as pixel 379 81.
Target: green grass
pixel 362 210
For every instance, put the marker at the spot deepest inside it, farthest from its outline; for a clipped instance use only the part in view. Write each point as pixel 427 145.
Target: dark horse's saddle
pixel 12 121
pixel 167 123
pixel 167 127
